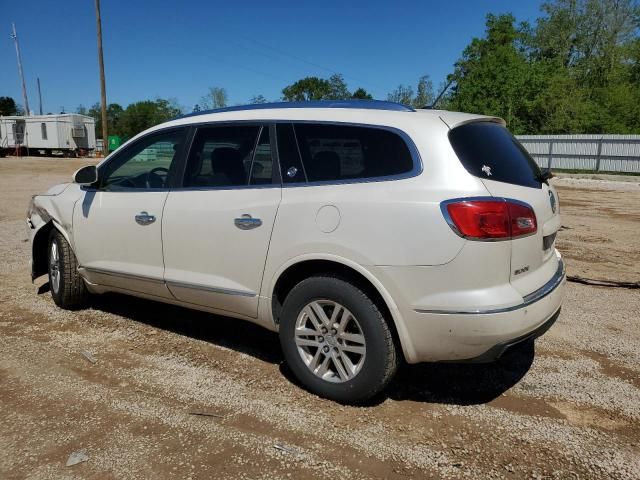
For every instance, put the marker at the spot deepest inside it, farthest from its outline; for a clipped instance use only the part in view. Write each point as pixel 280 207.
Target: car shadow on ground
pixel 447 383
pixel 219 330
pixel 462 384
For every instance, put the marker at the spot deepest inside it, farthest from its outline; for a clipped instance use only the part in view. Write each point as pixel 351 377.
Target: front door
pixel 216 228
pixel 117 225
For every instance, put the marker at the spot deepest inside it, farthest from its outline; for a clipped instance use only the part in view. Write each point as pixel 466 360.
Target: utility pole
pixel 14 35
pixel 39 95
pixel 103 89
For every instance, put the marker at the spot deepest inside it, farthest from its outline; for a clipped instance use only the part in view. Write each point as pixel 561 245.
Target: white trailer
pixel 67 133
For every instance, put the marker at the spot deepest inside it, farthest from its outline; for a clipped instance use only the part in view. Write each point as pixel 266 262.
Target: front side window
pixel 223 156
pixel 43 128
pixel 347 152
pixel 146 164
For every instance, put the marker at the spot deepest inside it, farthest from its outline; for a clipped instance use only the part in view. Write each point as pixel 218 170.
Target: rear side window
pixel 487 150
pixel 346 152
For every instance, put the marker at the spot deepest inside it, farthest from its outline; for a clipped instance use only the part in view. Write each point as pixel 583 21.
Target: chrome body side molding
pixel 113 273
pixel 169 283
pixel 206 288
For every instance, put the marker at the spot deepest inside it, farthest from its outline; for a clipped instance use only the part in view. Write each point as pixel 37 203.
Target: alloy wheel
pixel 330 341
pixel 54 266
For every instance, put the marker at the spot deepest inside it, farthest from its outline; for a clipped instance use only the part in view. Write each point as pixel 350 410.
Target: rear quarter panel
pixel 387 222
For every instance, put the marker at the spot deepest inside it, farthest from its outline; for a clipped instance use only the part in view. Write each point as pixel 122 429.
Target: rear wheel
pixel 336 341
pixel 67 287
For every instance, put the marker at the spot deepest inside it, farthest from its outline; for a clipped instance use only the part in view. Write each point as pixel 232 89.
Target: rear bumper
pixel 527 300
pixel 483 334
pixel 495 352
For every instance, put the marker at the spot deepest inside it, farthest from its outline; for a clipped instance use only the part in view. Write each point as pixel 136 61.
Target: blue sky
pixel 177 49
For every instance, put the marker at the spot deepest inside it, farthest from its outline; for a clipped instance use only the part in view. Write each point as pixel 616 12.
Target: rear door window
pixel 488 151
pixel 221 156
pixel 346 152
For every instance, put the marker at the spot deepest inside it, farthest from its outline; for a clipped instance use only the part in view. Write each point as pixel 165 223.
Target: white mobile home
pixel 68 133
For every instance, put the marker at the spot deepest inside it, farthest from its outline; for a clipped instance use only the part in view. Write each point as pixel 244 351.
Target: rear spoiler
pixel 456 119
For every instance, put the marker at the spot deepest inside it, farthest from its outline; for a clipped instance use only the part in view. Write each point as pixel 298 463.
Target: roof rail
pixel 355 103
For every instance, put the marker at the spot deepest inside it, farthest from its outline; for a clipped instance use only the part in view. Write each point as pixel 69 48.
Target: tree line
pixel 576 69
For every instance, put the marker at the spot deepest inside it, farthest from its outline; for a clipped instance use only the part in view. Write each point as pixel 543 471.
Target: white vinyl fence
pixel 604 153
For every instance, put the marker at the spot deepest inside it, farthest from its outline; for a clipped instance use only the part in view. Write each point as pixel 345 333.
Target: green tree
pixel 8 106
pixel 142 115
pixel 422 97
pixel 361 94
pixel 257 99
pixel 593 43
pixel 315 88
pixel 494 76
pixel 216 98
pixel 114 113
pixel 402 94
pixel 306 89
pixel 82 110
pixel 587 35
pixel 337 88
pixel 574 71
pixel 424 94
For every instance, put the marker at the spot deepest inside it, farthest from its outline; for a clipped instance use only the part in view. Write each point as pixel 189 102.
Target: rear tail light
pixel 490 218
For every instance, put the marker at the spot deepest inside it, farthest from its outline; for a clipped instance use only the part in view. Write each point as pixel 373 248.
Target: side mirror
pixel 86 175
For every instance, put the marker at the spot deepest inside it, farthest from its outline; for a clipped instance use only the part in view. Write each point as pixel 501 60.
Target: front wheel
pixel 67 287
pixel 336 341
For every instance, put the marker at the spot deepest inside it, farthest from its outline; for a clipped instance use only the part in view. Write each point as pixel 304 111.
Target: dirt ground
pixel 566 407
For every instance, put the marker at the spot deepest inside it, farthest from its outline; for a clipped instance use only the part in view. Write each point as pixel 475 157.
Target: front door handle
pixel 247 222
pixel 143 218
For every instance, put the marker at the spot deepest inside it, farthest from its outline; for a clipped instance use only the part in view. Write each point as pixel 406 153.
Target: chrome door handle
pixel 143 218
pixel 247 222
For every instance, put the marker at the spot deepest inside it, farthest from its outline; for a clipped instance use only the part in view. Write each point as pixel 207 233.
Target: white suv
pixel 364 232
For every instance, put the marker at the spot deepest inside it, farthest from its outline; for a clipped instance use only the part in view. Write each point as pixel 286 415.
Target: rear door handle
pixel 143 218
pixel 247 222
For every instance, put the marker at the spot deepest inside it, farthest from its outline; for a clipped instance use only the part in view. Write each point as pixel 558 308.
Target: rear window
pixel 487 150
pixel 342 152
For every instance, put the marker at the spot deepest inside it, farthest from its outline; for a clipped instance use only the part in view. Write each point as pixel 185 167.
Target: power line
pixel 313 64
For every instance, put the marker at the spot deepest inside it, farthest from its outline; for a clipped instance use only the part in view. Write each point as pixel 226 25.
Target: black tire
pixel 381 359
pixel 69 292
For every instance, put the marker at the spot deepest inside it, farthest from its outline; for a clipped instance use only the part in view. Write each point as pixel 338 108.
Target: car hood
pixel 56 189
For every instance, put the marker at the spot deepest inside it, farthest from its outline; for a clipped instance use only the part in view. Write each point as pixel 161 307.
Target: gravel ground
pixel 566 407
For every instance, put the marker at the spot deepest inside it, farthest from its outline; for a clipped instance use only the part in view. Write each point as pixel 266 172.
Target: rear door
pixel 216 228
pixel 488 151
